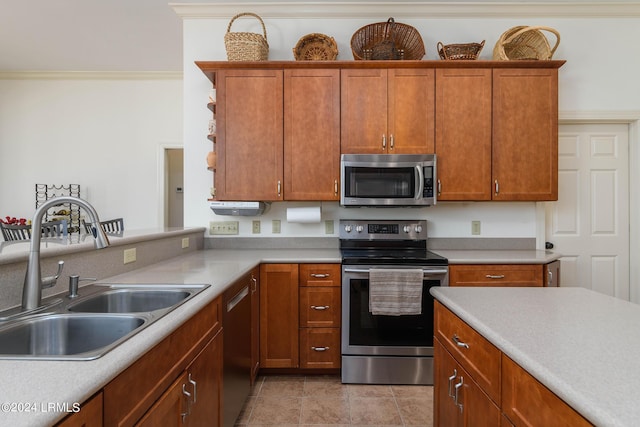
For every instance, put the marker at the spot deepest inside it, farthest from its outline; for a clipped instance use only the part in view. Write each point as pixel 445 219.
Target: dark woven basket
pixel 467 51
pixel 387 40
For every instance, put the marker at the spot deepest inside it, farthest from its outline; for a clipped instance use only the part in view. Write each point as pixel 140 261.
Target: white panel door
pixel 589 224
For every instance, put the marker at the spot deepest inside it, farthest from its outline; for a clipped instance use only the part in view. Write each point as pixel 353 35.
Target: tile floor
pixel 325 401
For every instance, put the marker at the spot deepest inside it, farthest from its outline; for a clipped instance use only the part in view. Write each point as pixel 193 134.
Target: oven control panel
pixel 383 229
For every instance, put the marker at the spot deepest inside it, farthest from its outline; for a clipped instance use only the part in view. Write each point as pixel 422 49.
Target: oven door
pixel 366 334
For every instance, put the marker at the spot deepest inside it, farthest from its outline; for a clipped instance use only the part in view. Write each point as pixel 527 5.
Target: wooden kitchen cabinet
pixel 250 132
pixel 279 316
pixel 320 308
pixel 496 275
pixel 90 414
pixel 463 133
pixel 129 396
pixel 492 389
pixel 459 400
pixel 525 134
pixel 311 134
pixel 387 111
pixel 194 399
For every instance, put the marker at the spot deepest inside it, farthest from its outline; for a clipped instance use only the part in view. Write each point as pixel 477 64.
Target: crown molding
pixel 91 75
pixel 411 9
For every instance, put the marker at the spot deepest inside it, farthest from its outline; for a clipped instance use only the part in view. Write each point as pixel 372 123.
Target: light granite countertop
pixel 580 344
pixel 498 256
pixel 27 387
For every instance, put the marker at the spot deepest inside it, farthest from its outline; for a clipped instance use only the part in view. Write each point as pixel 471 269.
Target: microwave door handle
pixel 420 183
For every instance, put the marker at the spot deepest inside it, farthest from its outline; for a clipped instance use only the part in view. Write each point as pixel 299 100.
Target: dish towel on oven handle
pixel 395 292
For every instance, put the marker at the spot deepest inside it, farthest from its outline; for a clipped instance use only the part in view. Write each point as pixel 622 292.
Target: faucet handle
pixel 50 281
pixel 74 280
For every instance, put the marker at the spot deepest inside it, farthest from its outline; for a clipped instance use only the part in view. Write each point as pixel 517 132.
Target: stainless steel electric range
pixel 396 348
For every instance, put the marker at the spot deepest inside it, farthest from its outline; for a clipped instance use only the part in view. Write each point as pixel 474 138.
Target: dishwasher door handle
pixel 237 298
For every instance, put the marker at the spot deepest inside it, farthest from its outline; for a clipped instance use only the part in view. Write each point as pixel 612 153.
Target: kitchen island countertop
pixel 580 344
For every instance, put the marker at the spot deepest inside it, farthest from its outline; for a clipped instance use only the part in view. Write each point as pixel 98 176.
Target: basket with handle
pixel 468 51
pixel 244 46
pixel 387 40
pixel 525 42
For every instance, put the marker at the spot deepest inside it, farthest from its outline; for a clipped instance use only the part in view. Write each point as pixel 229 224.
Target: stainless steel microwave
pixel 387 180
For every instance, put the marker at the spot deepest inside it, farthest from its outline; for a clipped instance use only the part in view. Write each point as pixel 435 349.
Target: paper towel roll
pixel 304 215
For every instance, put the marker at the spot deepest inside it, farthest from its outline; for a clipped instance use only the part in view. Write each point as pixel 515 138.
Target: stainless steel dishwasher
pixel 236 323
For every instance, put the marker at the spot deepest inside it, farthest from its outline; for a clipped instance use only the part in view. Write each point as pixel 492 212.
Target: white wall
pixel 600 76
pixel 103 132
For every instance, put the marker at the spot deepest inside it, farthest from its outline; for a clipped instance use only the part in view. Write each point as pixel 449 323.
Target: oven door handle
pixel 425 272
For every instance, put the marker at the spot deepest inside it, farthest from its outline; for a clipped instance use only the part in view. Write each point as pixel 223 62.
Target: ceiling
pixel 89 35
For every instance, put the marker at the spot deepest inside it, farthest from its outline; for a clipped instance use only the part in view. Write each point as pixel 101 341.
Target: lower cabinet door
pixel 459 401
pixel 204 381
pixel 320 348
pixel 171 409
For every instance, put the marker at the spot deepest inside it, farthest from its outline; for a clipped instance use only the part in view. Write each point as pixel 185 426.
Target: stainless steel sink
pixel 59 336
pixel 87 327
pixel 130 301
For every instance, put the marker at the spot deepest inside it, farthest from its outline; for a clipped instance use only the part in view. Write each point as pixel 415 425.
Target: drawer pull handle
pixel 320 307
pixel 451 378
pixel 188 396
pixel 195 385
pixel 319 276
pixel 495 276
pixel 320 348
pixel 458 342
pixel 457 394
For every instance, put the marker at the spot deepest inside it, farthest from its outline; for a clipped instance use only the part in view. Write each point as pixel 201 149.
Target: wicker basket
pixel 525 43
pixel 315 47
pixel 246 46
pixel 387 40
pixel 460 51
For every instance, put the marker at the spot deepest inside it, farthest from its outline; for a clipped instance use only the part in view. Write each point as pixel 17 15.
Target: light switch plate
pixel 328 227
pixel 475 228
pixel 223 227
pixel 185 242
pixel 275 226
pixel 255 226
pixel 129 255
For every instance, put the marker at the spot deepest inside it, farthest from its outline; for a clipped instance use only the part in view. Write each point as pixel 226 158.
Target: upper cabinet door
pixel 249 135
pixel 411 111
pixel 364 111
pixel 311 134
pixel 525 134
pixel 463 133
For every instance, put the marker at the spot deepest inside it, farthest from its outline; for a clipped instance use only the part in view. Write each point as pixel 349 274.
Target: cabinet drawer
pixel 320 275
pixel 496 275
pixel 525 401
pixel 476 355
pixel 320 307
pixel 320 348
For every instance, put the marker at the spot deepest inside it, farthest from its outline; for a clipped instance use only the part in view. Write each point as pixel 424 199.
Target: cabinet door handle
pixel 319 276
pixel 320 307
pixel 195 385
pixel 451 378
pixel 335 186
pixel 384 142
pixel 188 397
pixel 391 143
pixel 456 398
pixel 320 348
pixel 458 342
pixel 439 187
pixel 495 276
pixel 279 188
pixel 254 284
pixel 497 186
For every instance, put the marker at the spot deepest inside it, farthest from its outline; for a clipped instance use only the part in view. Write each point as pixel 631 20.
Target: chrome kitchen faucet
pixel 33 281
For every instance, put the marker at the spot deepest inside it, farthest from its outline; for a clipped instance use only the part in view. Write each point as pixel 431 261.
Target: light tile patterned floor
pixel 325 401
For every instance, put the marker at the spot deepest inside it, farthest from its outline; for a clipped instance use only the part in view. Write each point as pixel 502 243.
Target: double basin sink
pixel 87 327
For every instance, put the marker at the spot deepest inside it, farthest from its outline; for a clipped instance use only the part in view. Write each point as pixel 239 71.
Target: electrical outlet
pixel 129 255
pixel 255 226
pixel 185 242
pixel 328 226
pixel 275 226
pixel 223 227
pixel 475 228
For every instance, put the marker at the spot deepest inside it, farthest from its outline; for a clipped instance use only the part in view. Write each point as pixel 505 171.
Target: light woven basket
pixel 244 46
pixel 525 42
pixel 387 40
pixel 315 47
